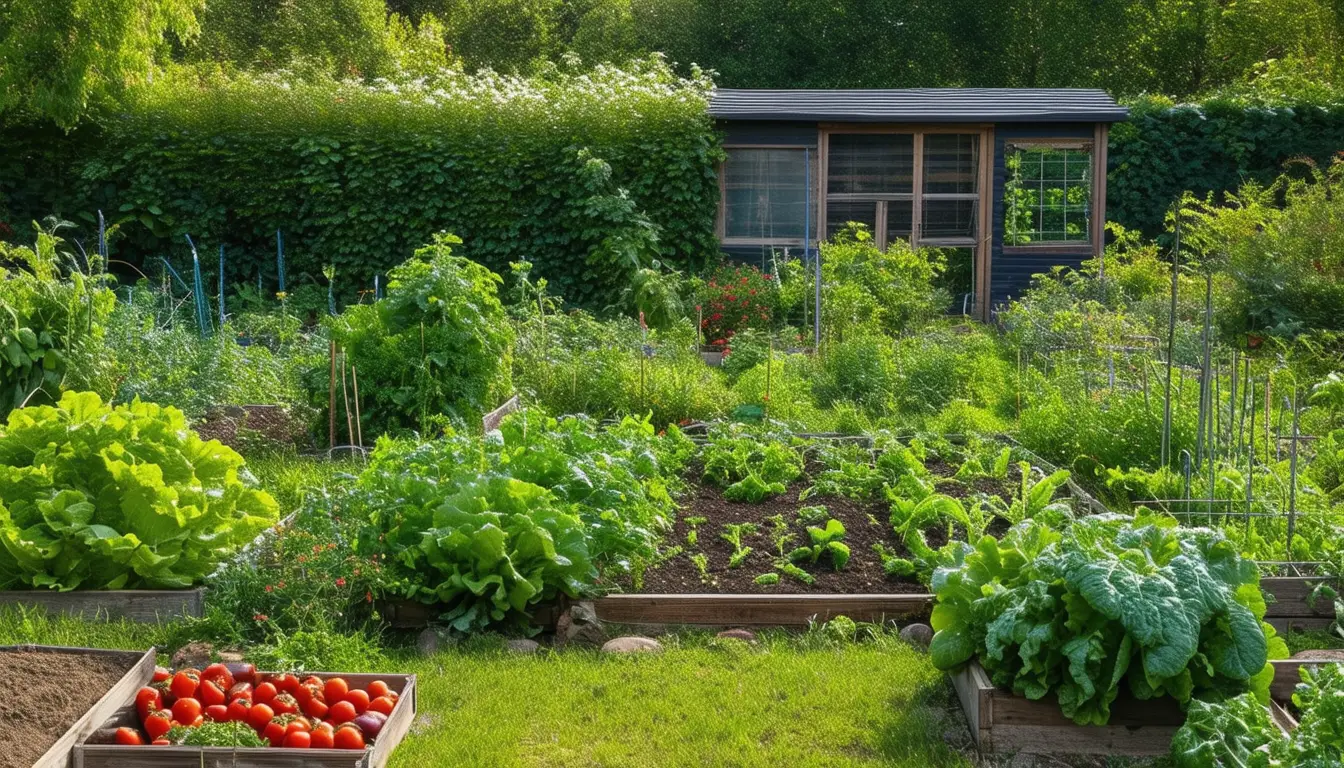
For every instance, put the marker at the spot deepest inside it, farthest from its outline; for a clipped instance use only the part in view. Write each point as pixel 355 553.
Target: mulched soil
pixel 866 523
pixel 265 423
pixel 48 692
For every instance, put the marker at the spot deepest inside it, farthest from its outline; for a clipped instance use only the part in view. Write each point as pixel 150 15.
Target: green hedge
pixel 575 173
pixel 1213 146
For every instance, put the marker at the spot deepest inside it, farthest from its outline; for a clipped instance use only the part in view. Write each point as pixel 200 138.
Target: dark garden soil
pixel 236 426
pixel 866 523
pixel 48 692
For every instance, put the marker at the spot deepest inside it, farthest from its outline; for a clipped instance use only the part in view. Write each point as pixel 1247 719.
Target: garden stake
pixel 769 360
pixel 359 424
pixel 221 287
pixel 331 398
pixel 1205 385
pixel 1292 480
pixel 1250 457
pixel 1232 446
pixel 280 261
pixel 345 396
pixel 1171 343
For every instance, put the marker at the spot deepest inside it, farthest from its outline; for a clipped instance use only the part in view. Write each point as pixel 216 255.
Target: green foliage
pixel 767 579
pixel 1170 611
pixel 944 364
pixel 752 489
pixel 437 344
pixel 891 290
pixel 212 734
pixel 735 453
pixel 1225 733
pixel 734 298
pixel 97 497
pixel 54 317
pixel 827 540
pixel 588 174
pixel 860 368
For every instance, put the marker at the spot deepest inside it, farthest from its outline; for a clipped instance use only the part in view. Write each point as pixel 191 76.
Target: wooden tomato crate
pixel 88 755
pixel 140 671
pixel 1002 722
pixel 146 605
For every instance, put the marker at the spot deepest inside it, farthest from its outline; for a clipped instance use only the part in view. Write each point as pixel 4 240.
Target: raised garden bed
pixel 104 755
pixel 69 692
pixel 1002 722
pixel 758 610
pixel 147 605
pixel 1288 604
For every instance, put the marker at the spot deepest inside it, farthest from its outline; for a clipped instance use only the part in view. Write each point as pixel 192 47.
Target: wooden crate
pixel 145 605
pixel 398 724
pixel 140 671
pixel 757 610
pixel 1002 722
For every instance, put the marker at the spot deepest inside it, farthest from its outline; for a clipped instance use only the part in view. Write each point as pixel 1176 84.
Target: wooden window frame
pixel 721 220
pixel 1096 147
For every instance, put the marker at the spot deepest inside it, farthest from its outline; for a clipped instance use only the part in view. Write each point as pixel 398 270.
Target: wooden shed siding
pixel 748 132
pixel 1010 275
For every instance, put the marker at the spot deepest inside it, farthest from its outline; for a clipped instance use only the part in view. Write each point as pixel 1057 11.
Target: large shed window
pixel 870 179
pixel 951 193
pixel 765 194
pixel 1047 195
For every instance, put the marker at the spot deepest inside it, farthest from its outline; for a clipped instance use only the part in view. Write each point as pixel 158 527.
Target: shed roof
pixel 922 105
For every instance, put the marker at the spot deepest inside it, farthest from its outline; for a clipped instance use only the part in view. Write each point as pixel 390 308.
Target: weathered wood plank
pixel 1289 597
pixel 144 605
pixel 757 610
pixel 1284 624
pixel 140 670
pixel 1288 673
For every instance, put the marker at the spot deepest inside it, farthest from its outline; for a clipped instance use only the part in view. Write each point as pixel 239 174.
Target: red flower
pixel 368 597
pixel 268 587
pixel 260 617
pixel 340 582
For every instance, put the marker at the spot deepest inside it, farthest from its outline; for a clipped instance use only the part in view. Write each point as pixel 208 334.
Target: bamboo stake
pixel 1292 481
pixel 359 422
pixel 331 398
pixel 345 395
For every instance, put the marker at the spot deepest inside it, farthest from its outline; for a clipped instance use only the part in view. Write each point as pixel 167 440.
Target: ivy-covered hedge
pixel 1212 146
pixel 576 173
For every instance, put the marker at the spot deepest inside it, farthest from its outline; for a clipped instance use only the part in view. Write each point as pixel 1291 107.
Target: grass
pixel 791 700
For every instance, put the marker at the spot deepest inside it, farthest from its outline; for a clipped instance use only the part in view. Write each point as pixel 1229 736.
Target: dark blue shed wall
pixel 766 132
pixel 1010 275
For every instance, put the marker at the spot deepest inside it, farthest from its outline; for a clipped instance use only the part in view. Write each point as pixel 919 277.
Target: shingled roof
pixel 920 105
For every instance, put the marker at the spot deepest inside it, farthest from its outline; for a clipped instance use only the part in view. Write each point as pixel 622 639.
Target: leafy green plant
pixel 1035 499
pixel 733 533
pixel 1170 611
pixel 794 572
pixel 103 497
pixel 824 541
pixel 701 562
pixel 733 455
pixel 1226 733
pixel 767 579
pixel 212 734
pixel 439 343
pixel 693 535
pixel 752 489
pixel 813 515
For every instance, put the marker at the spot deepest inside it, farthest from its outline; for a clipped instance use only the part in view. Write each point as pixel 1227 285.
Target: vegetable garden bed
pixel 1002 722
pixel 398 723
pixel 1291 606
pixel 146 605
pixel 69 692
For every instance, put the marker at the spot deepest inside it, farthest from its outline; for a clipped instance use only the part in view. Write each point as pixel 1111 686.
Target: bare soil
pixel 48 692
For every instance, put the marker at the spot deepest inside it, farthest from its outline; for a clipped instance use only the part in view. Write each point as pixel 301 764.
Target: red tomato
pixel 308 691
pixel 313 680
pixel 334 690
pixel 258 716
pixel 284 704
pixel 240 691
pixel 378 688
pixel 316 709
pixel 274 732
pixel 297 740
pixel 210 694
pixel 158 723
pixel 264 693
pixel 218 713
pixel 161 674
pixel 360 700
pixel 219 675
pixel 286 683
pixel 184 683
pixel 299 723
pixel 323 736
pixel 161 743
pixel 341 712
pixel 129 737
pixel 237 711
pixel 185 711
pixel 348 737
pixel 165 689
pixel 147 700
pixel 382 704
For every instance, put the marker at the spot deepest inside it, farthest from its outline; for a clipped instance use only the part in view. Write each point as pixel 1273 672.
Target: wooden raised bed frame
pixel 140 673
pixel 396 728
pixel 1002 722
pixel 757 610
pixel 1290 608
pixel 143 605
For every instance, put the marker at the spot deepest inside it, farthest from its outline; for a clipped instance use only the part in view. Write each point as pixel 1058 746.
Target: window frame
pixel 1095 185
pixel 721 225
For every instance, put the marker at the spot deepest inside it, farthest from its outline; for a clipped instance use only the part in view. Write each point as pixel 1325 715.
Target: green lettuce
pixel 1112 599
pixel 125 497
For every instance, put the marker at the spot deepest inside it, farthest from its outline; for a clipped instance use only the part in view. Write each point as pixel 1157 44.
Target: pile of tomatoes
pixel 282 708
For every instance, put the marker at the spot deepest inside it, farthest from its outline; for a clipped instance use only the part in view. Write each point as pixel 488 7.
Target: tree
pixel 57 57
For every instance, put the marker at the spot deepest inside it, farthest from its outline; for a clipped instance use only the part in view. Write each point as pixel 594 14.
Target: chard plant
pixel 825 541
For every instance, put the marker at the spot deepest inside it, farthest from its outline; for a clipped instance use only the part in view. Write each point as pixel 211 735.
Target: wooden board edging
pixel 757 610
pixel 142 605
pixel 1287 674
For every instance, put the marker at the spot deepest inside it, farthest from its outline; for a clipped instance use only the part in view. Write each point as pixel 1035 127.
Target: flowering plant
pixel 735 298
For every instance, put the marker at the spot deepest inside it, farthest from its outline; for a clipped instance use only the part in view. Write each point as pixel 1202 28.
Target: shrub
pixel 891 289
pixel 98 497
pixel 439 342
pixel 788 397
pixel 53 322
pixel 861 369
pixel 734 299
pixel 946 364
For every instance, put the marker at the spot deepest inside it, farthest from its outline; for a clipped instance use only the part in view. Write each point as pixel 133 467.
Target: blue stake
pixel 176 276
pixel 102 241
pixel 198 290
pixel 221 286
pixel 280 259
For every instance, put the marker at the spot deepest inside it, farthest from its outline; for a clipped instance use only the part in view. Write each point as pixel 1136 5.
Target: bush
pixel 860 369
pixel 892 289
pixel 573 171
pixel 438 344
pixel 946 364
pixel 735 298
pixel 97 497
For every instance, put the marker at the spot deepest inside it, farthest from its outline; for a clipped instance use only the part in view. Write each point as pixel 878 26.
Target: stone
pixel 632 644
pixel 193 656
pixel 917 635
pixel 583 612
pixel 522 645
pixel 745 635
pixel 1321 654
pixel 231 657
pixel 570 632
pixel 427 643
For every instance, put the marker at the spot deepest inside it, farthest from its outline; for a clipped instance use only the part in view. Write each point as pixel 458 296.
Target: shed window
pixel 1047 194
pixel 765 194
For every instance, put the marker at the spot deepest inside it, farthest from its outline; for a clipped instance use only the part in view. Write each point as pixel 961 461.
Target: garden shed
pixel 1012 181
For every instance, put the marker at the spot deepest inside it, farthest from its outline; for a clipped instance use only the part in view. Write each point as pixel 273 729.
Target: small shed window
pixel 765 194
pixel 1047 195
pixel 951 192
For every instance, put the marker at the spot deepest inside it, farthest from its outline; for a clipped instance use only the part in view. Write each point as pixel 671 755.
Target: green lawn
pixel 789 701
